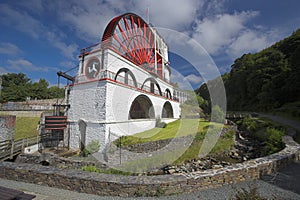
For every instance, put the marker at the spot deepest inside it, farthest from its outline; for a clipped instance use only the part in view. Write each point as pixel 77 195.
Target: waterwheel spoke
pixel 132 38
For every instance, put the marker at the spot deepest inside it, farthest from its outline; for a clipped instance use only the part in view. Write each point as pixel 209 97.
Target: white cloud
pixel 89 18
pixel 220 31
pixel 230 34
pixel 183 83
pixel 175 14
pixel 3 70
pixel 249 41
pixel 192 78
pixel 20 21
pixel 67 50
pixel 9 49
pixel 26 23
pixel 24 65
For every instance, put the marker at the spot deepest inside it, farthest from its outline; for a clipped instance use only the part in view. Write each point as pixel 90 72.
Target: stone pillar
pixel 7 127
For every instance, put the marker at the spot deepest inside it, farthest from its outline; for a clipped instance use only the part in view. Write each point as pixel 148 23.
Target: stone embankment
pixel 109 184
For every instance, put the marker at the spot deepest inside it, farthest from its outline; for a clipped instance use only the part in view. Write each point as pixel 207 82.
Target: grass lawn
pixel 26 127
pixel 177 128
pixel 184 127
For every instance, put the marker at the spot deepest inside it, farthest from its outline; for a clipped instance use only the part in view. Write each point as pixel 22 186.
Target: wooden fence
pixel 11 148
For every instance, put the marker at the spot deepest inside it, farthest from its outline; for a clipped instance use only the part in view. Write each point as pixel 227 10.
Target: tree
pixel 15 87
pixel 263 81
pixel 217 114
pixel 39 90
pixel 56 92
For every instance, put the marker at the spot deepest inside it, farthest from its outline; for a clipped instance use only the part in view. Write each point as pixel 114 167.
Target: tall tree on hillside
pixel 15 87
pixel 39 90
pixel 56 92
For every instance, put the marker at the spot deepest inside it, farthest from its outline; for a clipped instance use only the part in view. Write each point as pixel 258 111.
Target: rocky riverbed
pixel 244 149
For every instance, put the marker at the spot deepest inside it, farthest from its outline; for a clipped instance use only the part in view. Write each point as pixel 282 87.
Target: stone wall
pixel 7 127
pixel 22 113
pixel 43 104
pixel 108 184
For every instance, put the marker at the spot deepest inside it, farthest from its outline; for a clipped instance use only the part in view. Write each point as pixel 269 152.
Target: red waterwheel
pixel 131 37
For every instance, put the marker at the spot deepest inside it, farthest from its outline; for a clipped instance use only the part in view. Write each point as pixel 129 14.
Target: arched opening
pixel 125 76
pixel 168 94
pixel 167 111
pixel 151 85
pixel 141 108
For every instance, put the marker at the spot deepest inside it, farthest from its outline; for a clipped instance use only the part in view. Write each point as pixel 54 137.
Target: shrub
pixel 159 123
pixel 91 168
pixel 217 114
pixel 273 142
pixel 250 124
pixel 252 194
pixel 92 147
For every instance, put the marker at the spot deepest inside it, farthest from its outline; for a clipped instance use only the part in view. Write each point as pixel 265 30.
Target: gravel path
pixel 284 121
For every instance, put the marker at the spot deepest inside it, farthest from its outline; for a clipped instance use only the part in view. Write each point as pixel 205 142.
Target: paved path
pixel 284 121
pixel 225 192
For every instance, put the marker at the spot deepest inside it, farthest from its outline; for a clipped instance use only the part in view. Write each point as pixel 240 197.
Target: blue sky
pixel 40 38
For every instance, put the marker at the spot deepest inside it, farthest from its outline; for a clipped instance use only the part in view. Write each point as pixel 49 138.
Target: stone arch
pixel 126 78
pixel 141 108
pixel 167 111
pixel 168 94
pixel 153 83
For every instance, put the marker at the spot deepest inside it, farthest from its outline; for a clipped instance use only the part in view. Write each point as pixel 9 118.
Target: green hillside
pixel 264 81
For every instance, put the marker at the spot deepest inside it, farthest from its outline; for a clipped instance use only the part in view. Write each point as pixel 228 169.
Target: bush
pixel 273 142
pixel 249 124
pixel 91 168
pixel 160 124
pixel 265 132
pixel 92 147
pixel 217 114
pixel 252 194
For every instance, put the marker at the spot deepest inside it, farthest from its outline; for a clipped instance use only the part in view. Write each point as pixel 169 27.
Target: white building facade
pixel 123 85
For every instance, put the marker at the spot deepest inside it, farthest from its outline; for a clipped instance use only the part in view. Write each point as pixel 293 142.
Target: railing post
pixel 23 144
pixel 12 149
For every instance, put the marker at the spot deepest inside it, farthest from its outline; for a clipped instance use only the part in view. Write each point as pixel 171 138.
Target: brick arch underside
pixel 141 108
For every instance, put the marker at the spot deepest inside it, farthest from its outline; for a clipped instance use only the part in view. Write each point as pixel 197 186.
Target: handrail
pixel 106 74
pixel 10 148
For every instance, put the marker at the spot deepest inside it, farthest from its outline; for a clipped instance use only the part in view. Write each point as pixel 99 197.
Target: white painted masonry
pixel 100 107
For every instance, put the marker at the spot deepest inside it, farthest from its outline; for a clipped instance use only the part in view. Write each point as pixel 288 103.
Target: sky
pixel 41 37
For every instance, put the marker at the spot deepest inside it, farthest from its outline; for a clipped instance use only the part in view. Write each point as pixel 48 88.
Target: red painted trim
pixel 128 86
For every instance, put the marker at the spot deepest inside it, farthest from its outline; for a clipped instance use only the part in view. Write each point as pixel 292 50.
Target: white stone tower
pixel 123 84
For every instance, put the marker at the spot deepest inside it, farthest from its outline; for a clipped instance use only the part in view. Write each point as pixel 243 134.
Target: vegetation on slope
pixel 266 132
pixel 185 127
pixel 263 81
